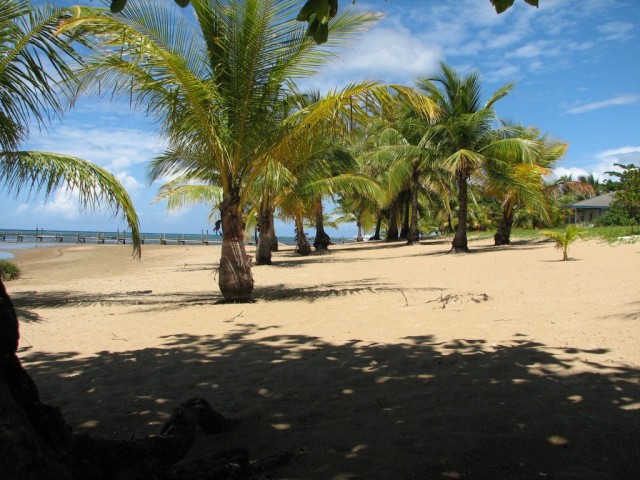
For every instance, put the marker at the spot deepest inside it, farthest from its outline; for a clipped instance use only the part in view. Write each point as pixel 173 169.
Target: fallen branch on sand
pixel 450 297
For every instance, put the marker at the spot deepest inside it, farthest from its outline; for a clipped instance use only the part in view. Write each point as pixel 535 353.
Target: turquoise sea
pixel 12 239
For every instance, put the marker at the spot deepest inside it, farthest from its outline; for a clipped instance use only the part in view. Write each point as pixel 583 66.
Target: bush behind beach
pixel 8 271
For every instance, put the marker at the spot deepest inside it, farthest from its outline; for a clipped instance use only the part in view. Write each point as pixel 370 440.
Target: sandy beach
pixel 377 361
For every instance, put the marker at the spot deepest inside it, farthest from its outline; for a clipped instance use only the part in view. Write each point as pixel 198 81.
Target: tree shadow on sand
pixel 143 300
pixel 420 408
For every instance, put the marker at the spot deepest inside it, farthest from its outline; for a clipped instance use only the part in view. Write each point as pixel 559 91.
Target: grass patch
pixel 611 234
pixel 8 271
pixel 605 234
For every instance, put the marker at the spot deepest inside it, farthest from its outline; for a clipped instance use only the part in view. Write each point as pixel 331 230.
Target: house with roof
pixel 586 211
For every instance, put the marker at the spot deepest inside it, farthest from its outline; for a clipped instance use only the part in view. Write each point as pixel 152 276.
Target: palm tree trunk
pixel 359 237
pixel 235 278
pixel 302 244
pixel 322 241
pixel 376 235
pixel 459 244
pixel 404 231
pixel 503 234
pixel 412 236
pixel 35 439
pixel 263 249
pixel 392 231
pixel 273 238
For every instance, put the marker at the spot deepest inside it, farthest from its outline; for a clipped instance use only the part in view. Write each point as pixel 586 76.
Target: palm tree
pixel 213 85
pixel 594 182
pixel 326 172
pixel 564 239
pixel 464 134
pixel 28 91
pixel 518 181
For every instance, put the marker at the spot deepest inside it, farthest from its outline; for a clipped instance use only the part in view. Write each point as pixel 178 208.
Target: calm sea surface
pixel 18 239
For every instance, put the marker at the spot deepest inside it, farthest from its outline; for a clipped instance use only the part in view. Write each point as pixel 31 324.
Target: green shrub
pixel 564 238
pixel 8 271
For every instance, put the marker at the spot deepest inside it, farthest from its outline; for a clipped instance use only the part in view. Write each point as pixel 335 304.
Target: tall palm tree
pixel 519 180
pixel 34 63
pixel 415 169
pixel 213 81
pixel 594 182
pixel 464 134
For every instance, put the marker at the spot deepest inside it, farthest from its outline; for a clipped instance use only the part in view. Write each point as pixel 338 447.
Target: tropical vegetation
pixel 220 81
pixel 564 239
pixel 625 208
pixel 215 86
pixel 8 270
pixel 29 92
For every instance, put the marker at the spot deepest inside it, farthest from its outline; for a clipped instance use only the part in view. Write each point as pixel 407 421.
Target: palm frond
pixel 46 172
pixel 180 196
pixel 28 90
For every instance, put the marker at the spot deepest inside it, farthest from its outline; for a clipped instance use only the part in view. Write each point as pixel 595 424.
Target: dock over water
pixel 123 238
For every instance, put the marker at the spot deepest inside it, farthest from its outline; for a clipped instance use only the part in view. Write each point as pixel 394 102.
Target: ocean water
pixel 11 239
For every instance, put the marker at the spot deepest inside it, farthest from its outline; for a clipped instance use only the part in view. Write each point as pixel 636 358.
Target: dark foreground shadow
pixel 418 409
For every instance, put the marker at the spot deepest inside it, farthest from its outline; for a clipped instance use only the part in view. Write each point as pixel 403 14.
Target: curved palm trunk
pixel 459 244
pixel 412 235
pixel 302 244
pixel 263 249
pixel 235 278
pixel 322 241
pixel 392 231
pixel 273 238
pixel 376 235
pixel 359 237
pixel 503 235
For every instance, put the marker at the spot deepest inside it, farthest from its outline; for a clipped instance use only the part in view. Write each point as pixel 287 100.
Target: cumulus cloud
pixel 573 172
pixel 603 162
pixel 388 54
pixel 610 102
pixel 623 155
pixel 129 183
pixel 64 205
pixel 112 148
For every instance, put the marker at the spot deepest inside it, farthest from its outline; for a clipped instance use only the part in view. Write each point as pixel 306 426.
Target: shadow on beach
pixel 290 259
pixel 421 408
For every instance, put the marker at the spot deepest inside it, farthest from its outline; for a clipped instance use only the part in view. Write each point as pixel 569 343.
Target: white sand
pixel 376 361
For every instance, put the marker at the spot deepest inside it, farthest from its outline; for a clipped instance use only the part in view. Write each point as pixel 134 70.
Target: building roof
pixel 601 201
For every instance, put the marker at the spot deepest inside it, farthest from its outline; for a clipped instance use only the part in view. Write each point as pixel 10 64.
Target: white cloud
pixel 616 30
pixel 64 205
pixel 573 172
pixel 389 54
pixel 113 148
pixel 500 72
pixel 610 102
pixel 604 162
pixel 129 183
pixel 623 155
pixel 531 50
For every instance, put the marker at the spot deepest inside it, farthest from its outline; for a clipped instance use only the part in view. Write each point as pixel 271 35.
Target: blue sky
pixel 575 65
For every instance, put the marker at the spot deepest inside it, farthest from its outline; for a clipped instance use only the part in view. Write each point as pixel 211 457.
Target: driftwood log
pixel 37 444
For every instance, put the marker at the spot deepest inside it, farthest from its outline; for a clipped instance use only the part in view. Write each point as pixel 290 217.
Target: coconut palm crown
pixel 465 135
pixel 213 78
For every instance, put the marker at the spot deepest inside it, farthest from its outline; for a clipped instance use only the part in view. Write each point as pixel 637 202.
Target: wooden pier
pixel 40 236
pixel 165 240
